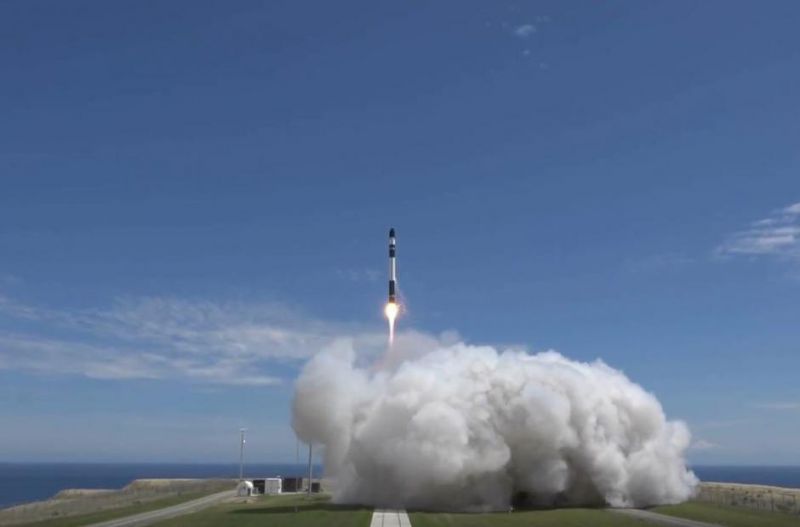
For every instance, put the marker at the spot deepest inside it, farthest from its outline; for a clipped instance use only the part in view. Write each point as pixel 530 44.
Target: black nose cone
pixel 391 233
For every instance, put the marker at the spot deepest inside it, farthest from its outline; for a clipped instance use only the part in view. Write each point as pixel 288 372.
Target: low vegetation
pixel 729 516
pixel 111 514
pixel 140 495
pixel 288 510
pixel 295 510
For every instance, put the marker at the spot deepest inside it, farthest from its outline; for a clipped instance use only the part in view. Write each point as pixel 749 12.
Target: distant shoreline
pixel 34 482
pixel 75 502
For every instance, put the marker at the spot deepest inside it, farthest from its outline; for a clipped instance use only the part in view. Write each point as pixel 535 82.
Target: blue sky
pixel 194 199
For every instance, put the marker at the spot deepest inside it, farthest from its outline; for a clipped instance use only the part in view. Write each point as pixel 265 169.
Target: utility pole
pixel 241 453
pixel 310 471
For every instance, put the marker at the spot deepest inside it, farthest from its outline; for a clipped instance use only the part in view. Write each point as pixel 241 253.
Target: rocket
pixel 391 309
pixel 392 267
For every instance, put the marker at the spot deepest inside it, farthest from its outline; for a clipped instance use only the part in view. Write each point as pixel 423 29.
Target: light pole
pixel 310 472
pixel 241 453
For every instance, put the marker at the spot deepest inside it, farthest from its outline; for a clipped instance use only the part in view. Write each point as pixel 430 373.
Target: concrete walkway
pixel 662 519
pixel 187 507
pixel 389 518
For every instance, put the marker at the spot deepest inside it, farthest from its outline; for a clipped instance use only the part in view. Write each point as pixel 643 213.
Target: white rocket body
pixel 392 267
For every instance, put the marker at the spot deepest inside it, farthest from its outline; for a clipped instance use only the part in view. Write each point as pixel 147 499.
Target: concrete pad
pixel 390 518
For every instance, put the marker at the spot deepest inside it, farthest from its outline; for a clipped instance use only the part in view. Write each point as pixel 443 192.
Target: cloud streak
pixel 777 235
pixel 166 338
pixel 702 444
pixel 524 30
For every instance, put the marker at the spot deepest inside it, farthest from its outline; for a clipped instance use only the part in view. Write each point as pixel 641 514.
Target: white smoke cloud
pixel 463 427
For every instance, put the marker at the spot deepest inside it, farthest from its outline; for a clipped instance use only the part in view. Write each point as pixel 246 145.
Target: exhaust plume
pixel 466 427
pixel 391 311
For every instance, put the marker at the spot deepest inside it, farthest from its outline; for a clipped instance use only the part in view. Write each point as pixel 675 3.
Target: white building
pixel 245 488
pixel 273 486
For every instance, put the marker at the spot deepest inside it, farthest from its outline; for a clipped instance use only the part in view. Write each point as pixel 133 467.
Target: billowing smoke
pixel 469 428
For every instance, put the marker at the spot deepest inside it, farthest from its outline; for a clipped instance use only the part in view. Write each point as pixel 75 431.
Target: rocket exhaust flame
pixel 391 311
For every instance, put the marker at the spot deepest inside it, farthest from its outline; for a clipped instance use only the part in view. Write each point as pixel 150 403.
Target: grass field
pixel 553 518
pixel 276 511
pixel 95 517
pixel 299 511
pixel 729 516
pixel 279 511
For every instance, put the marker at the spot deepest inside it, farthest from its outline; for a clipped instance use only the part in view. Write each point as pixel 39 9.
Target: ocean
pixel 25 482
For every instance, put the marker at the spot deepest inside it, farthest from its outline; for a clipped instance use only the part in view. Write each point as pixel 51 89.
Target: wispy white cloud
pixel 68 356
pixel 777 235
pixel 524 30
pixel 703 444
pixel 159 338
pixel 793 209
pixel 30 352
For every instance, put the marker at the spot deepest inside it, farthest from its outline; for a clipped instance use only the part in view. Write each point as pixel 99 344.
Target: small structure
pixel 291 484
pixel 268 485
pixel 245 488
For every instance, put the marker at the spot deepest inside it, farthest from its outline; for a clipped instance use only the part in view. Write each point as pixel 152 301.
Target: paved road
pixel 146 518
pixel 389 518
pixel 663 519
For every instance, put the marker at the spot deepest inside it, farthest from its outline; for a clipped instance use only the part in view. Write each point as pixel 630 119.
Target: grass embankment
pixel 729 516
pixel 120 512
pixel 534 518
pixel 290 510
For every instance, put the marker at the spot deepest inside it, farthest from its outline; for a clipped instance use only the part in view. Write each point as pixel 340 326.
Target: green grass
pixel 279 511
pixel 299 511
pixel 276 511
pixel 120 512
pixel 537 518
pixel 729 516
